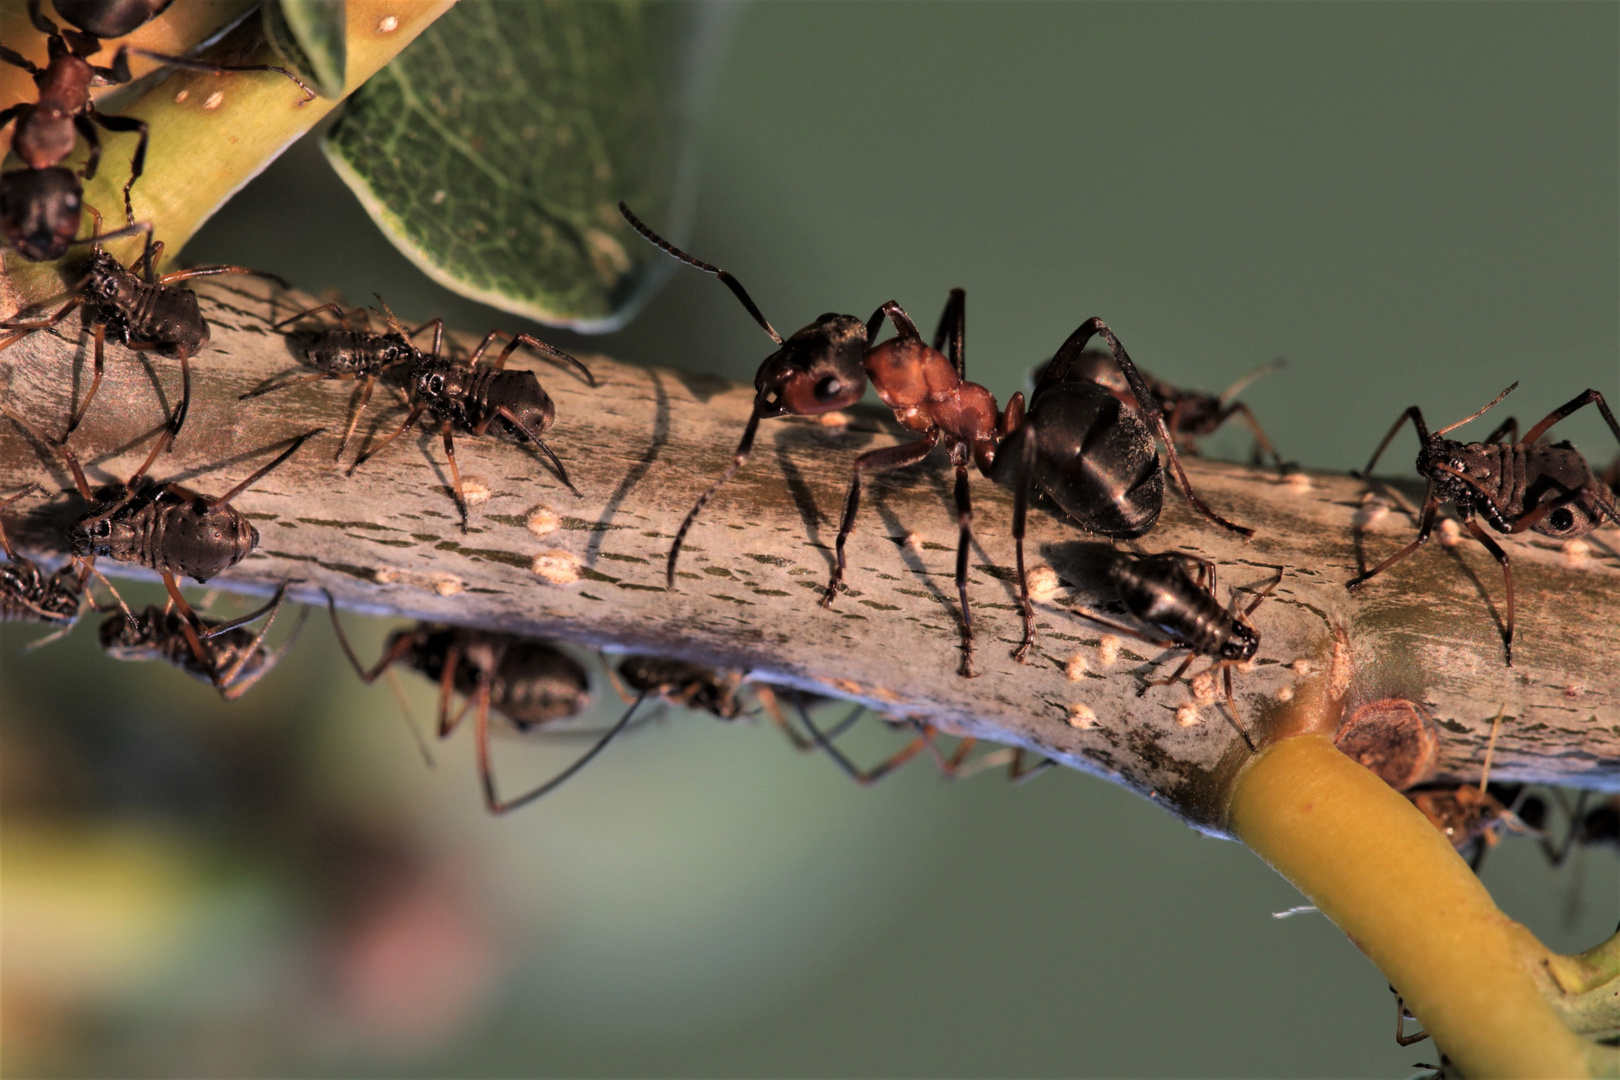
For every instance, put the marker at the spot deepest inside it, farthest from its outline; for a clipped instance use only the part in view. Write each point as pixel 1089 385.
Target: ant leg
pixel 739 457
pixel 896 315
pixel 137 161
pixel 224 500
pixel 191 64
pixel 880 460
pixel 1507 577
pixel 1586 397
pixel 92 142
pixel 17 59
pixel 951 329
pixel 1425 526
pixel 95 383
pixel 397 648
pixel 498 807
pixel 511 418
pixel 455 472
pixel 410 421
pixel 335 309
pixel 725 278
pixel 964 539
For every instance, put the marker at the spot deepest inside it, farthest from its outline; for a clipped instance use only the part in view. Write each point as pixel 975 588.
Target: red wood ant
pixel 164 526
pixel 343 352
pixel 477 399
pixel 1174 593
pixel 825 366
pixel 527 681
pixel 145 312
pixel 48 129
pixel 40 212
pixel 1092 454
pixel 1548 487
pixel 223 654
pixel 1189 414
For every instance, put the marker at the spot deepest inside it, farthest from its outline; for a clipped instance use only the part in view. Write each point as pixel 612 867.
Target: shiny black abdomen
pixel 1096 458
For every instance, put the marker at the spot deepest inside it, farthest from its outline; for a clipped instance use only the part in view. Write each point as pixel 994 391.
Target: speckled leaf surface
pixel 495 150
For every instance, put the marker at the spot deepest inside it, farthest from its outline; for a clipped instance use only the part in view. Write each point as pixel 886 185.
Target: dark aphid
pixel 1189 414
pixel 110 18
pixel 342 352
pixel 1514 486
pixel 145 312
pixel 1091 453
pixel 1174 594
pixel 48 129
pixel 40 211
pixel 29 594
pixel 226 655
pixel 164 526
pixel 1472 817
pixel 825 366
pixel 477 399
pixel 529 682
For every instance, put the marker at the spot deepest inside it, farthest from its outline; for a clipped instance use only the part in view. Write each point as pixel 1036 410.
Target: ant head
pixel 1242 645
pixel 40 211
pixel 819 369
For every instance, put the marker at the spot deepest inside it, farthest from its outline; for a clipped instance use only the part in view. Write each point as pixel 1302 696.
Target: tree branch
pixel 642 445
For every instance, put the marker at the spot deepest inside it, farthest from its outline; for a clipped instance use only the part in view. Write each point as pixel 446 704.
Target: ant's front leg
pixel 880 460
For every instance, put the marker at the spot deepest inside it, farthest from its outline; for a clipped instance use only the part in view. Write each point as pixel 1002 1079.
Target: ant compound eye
pixel 1561 519
pixel 828 388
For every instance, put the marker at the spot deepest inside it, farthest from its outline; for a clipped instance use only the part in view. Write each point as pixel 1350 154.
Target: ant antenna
pixel 1476 416
pixel 744 446
pixel 730 282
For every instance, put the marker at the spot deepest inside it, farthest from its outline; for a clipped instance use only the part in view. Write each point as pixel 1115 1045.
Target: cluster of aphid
pixel 1087 438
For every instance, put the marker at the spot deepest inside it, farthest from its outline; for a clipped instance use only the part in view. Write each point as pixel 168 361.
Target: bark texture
pixel 645 442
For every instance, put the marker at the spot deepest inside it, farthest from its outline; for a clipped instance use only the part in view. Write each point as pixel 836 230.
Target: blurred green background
pixel 1414 204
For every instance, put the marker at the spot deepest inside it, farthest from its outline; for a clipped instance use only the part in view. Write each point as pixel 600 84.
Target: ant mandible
pixel 825 366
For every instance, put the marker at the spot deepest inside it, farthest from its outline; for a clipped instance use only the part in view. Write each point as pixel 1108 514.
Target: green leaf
pixel 495 150
pixel 309 35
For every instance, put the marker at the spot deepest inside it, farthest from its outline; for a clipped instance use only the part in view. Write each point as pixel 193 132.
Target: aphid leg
pixel 316 376
pixel 230 689
pixel 95 382
pixel 5 541
pixel 447 688
pixel 398 648
pixel 548 352
pixel 259 474
pixel 455 472
pixel 1175 675
pixel 410 421
pixel 1416 416
pixel 880 460
pixel 210 271
pixel 367 385
pixel 398 690
pixel 1262 444
pixel 1507 431
pixel 190 623
pixel 1584 398
pixel 1019 773
pixel 1401 1016
pixel 1231 705
pixel 438 333
pixel 26 328
pixel 335 309
pixel 773 709
pixel 863 777
pixel 738 458
pixel 511 418
pixel 242 620
pixel 1507 577
pixel 498 807
pixel 1425 526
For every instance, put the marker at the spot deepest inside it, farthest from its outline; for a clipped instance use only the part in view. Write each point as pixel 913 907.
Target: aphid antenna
pixel 1487 408
pixel 1264 369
